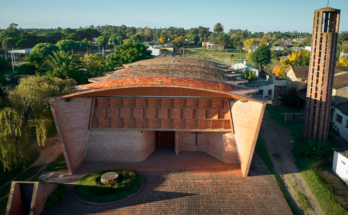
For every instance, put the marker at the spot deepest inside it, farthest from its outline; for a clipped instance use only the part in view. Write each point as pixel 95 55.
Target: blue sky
pixel 254 15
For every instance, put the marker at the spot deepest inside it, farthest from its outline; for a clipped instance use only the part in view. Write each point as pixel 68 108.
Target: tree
pixel 39 53
pixel 224 39
pixel 248 44
pixel 178 41
pixel 26 110
pixel 136 38
pixel 278 43
pixel 4 65
pixel 9 43
pixel 148 33
pixel 249 75
pixel 262 56
pixel 26 69
pixel 218 28
pixel 161 40
pixel 113 41
pixel 343 36
pixel 279 71
pixel 102 41
pixel 193 37
pixel 68 45
pixel 65 65
pixel 264 39
pixel 126 41
pixel 342 61
pixel 95 64
pixel 128 53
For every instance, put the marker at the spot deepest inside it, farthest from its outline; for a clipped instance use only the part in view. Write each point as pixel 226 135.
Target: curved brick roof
pixel 162 86
pixel 173 60
pixel 168 70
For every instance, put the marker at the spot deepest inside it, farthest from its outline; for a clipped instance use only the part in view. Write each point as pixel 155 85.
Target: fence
pixel 290 117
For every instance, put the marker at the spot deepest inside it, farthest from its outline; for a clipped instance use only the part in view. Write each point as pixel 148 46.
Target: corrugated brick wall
pixel 120 146
pixel 161 113
pixel 218 144
pixel 247 117
pixel 71 118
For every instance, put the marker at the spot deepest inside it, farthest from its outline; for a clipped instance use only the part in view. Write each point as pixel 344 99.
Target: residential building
pixel 243 67
pixel 343 54
pixel 340 120
pixel 298 77
pixel 340 164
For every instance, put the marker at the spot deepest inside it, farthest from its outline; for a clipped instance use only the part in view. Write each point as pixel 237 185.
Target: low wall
pixel 218 144
pixel 120 146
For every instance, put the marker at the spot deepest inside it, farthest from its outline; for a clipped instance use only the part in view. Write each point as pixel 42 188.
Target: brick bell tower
pixel 321 73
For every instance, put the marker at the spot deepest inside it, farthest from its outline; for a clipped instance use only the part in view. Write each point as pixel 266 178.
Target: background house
pixel 265 87
pixel 243 66
pixel 340 164
pixel 297 77
pixel 341 120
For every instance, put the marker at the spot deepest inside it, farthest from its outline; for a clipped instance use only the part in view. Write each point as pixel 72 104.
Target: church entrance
pixel 165 138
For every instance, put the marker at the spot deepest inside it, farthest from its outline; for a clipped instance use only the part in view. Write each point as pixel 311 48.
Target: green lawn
pixel 215 56
pixel 90 188
pixel 315 183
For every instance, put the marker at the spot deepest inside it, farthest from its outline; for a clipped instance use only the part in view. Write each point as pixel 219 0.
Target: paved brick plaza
pixel 188 183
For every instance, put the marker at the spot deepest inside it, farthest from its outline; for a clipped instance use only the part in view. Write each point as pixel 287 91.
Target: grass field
pixel 319 189
pixel 221 57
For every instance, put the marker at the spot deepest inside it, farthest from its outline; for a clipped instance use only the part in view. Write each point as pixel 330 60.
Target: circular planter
pixel 90 189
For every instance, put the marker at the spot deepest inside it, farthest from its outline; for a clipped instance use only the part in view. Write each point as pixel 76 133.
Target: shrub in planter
pixel 58 195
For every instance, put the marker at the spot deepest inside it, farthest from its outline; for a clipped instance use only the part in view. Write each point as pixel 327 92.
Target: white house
pixel 308 48
pixel 343 54
pixel 155 52
pixel 243 66
pixel 265 87
pixel 340 120
pixel 340 164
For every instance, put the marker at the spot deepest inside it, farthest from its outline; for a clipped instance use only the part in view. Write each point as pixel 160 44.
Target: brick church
pixel 186 104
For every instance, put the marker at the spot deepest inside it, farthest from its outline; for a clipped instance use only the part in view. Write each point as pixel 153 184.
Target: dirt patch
pixel 278 141
pixel 49 152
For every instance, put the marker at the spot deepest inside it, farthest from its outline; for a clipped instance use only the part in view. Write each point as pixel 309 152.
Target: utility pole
pixel 12 61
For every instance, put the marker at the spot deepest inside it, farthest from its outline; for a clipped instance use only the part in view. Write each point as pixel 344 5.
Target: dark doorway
pixel 165 138
pixel 26 196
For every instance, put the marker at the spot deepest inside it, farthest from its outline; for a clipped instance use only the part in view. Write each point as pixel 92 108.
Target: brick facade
pixel 219 145
pixel 119 146
pixel 247 117
pixel 161 113
pixel 116 119
pixel 72 118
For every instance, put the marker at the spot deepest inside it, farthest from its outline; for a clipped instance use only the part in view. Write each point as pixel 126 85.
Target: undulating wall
pixel 72 119
pixel 120 146
pixel 247 117
pixel 218 144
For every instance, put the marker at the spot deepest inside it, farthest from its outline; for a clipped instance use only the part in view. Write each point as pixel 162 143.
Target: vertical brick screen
pixel 247 118
pixel 161 113
pixel 71 119
pixel 218 144
pixel 120 146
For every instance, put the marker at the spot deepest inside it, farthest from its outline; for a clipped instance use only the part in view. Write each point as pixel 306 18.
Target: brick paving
pixel 188 183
